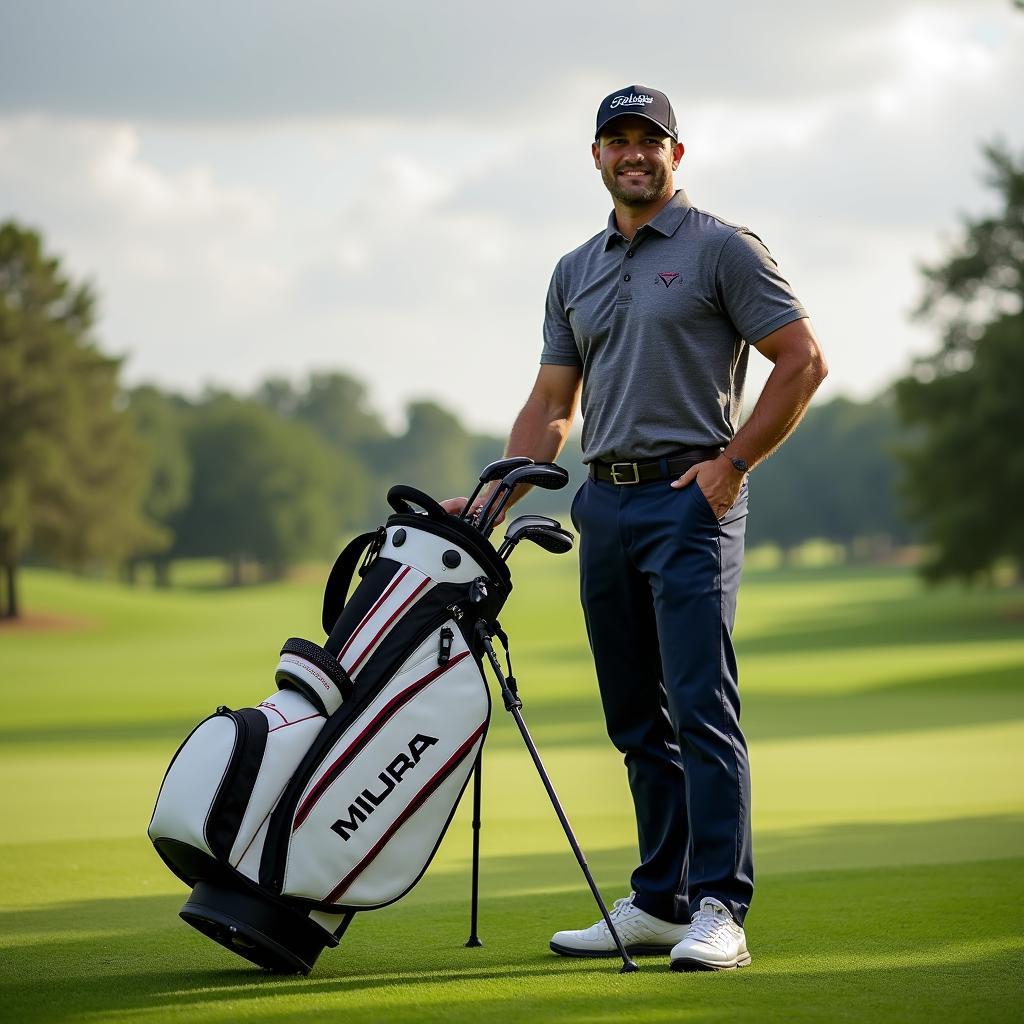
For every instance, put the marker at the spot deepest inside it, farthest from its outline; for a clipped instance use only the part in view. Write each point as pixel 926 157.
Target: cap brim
pixel 634 113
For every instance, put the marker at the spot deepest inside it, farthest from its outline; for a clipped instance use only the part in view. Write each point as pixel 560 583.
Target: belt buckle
pixel 614 469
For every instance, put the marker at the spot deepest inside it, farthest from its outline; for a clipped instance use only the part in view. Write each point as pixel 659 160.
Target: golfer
pixel 654 318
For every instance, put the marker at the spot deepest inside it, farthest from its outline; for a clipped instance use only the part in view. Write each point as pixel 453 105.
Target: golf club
pixel 495 471
pixel 520 522
pixel 544 474
pixel 477 518
pixel 553 539
pixel 518 527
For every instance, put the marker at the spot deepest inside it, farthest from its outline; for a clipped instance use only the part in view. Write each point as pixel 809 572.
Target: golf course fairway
pixel 886 731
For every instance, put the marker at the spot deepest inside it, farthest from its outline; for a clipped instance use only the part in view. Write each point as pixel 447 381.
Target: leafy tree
pixel 435 453
pixel 965 476
pixel 279 394
pixel 835 478
pixel 263 488
pixel 71 467
pixel 337 407
pixel 160 422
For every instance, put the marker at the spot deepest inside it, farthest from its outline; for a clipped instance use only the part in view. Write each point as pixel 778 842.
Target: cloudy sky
pixel 275 187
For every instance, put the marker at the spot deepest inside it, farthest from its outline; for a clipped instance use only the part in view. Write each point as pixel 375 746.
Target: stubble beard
pixel 632 197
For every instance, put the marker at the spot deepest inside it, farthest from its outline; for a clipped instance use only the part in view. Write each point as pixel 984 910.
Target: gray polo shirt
pixel 662 327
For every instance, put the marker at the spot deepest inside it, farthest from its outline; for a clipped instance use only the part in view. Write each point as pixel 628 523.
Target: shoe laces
pixel 711 924
pixel 621 909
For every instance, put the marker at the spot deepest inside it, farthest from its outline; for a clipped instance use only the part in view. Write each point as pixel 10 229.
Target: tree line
pixel 93 473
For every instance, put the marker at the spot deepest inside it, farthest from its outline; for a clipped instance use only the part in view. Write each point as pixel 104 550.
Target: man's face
pixel 636 160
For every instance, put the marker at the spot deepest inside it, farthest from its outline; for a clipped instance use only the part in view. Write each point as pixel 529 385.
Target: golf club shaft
pixel 627 964
pixel 488 505
pixel 513 704
pixel 506 548
pixel 467 508
pixel 491 472
pixel 486 528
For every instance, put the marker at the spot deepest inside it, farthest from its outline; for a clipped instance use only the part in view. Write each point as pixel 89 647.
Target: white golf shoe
pixel 713 942
pixel 641 934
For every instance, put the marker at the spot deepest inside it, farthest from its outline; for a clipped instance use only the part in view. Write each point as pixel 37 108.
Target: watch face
pixel 740 464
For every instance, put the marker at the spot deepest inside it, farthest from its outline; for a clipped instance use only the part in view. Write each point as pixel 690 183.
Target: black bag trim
pixel 193 866
pixel 338 582
pixel 379 576
pixel 228 807
pixel 187 862
pixel 430 612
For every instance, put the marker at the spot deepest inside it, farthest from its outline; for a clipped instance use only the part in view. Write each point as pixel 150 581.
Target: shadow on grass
pixel 168 731
pixel 903 945
pixel 800 851
pixel 928 619
pixel 958 699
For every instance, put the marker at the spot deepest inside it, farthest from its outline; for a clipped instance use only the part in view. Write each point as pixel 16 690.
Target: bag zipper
pixel 444 647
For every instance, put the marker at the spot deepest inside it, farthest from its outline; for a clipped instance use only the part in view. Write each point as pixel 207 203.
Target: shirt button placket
pixel 624 292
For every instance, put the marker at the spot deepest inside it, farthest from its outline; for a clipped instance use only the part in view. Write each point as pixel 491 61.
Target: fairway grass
pixel 886 727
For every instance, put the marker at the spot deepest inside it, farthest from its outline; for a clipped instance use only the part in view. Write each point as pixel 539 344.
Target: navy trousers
pixel 658 581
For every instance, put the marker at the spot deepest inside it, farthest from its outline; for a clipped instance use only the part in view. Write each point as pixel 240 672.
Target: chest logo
pixel 667 279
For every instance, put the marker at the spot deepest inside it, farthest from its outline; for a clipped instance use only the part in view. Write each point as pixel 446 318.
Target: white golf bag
pixel 332 795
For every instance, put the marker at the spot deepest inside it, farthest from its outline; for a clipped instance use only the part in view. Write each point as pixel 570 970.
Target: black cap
pixel 640 101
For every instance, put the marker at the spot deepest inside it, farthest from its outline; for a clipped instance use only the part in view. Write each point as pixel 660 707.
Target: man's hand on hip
pixel 718 480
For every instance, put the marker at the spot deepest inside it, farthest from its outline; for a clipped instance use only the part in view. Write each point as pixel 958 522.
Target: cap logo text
pixel 632 99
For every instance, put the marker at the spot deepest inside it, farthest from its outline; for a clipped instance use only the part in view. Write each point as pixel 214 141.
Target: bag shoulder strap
pixel 340 579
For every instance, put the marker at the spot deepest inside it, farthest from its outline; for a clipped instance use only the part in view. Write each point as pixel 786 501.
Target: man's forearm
pixel 780 407
pixel 538 432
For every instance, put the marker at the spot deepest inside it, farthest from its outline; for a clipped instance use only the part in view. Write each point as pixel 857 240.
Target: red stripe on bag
pixel 383 629
pixel 388 590
pixel 295 722
pixel 446 769
pixel 372 728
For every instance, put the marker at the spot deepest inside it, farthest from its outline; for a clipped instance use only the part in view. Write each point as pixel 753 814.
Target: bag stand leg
pixel 474 939
pixel 512 705
pixel 343 927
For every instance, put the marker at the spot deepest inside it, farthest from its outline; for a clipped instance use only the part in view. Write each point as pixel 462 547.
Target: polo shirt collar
pixel 665 223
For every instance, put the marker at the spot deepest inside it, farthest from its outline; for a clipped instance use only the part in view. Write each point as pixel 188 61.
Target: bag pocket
pixel 208 784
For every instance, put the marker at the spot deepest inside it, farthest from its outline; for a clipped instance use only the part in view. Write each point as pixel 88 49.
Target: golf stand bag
pixel 331 796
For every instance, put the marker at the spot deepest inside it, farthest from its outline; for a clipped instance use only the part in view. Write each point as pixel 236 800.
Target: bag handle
pixel 402 498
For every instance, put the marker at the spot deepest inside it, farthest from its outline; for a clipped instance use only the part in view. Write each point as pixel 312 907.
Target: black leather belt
pixel 651 469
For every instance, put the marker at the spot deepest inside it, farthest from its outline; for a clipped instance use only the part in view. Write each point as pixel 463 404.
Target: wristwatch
pixel 740 465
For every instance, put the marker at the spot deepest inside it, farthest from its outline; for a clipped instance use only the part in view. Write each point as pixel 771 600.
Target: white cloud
pixel 409 240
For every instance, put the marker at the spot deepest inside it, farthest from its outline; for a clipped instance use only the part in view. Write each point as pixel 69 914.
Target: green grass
pixel 886 727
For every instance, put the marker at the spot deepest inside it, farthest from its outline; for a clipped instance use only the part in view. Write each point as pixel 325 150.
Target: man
pixel 655 317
